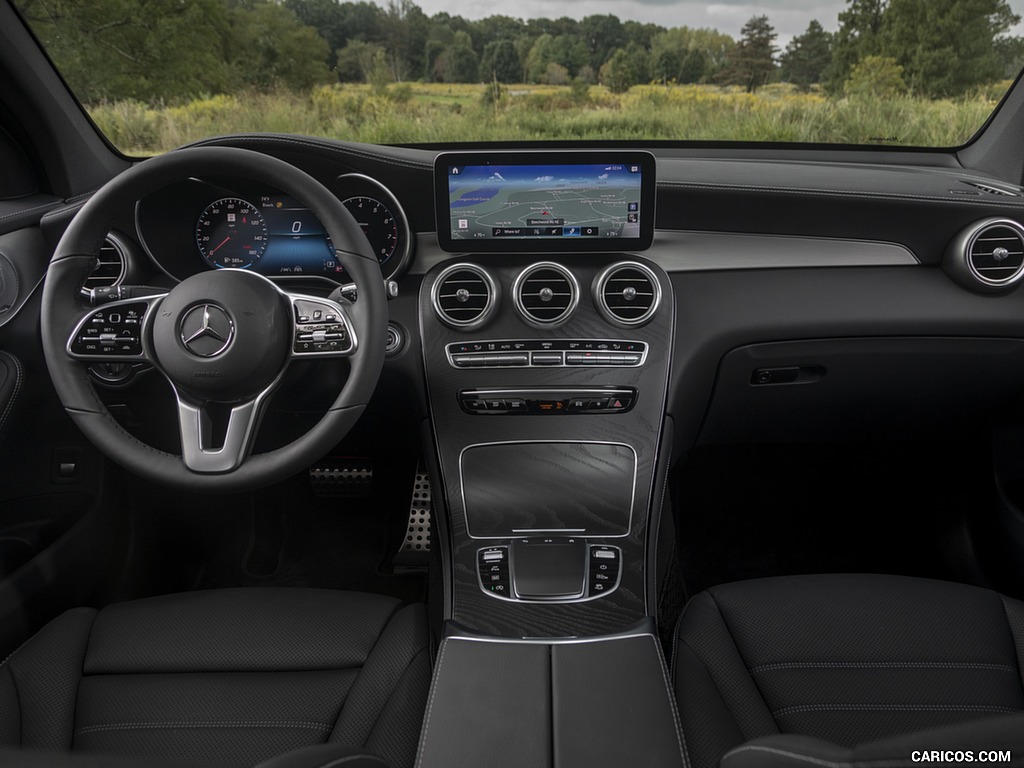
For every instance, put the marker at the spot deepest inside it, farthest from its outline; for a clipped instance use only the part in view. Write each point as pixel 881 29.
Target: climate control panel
pixel 545 402
pixel 523 353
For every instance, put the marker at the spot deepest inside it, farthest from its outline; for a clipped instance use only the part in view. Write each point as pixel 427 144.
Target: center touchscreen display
pixel 544 201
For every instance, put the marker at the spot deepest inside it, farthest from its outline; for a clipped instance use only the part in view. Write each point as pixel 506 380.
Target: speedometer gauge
pixel 378 224
pixel 231 232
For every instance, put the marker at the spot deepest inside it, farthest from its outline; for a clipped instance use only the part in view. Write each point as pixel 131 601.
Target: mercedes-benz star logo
pixel 206 330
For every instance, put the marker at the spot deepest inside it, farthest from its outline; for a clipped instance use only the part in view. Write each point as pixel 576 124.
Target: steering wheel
pixel 222 338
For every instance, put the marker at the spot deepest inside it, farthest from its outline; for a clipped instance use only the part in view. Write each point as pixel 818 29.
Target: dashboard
pixel 848 265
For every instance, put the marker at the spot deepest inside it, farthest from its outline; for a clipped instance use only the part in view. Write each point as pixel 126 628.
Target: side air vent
pixel 113 263
pixel 464 296
pixel 988 255
pixel 546 293
pixel 627 293
pixel 992 189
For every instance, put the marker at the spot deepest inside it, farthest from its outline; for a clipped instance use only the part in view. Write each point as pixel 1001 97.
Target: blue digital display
pixel 544 201
pixel 297 243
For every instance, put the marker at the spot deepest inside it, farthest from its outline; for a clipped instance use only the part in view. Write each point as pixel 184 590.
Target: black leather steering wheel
pixel 220 337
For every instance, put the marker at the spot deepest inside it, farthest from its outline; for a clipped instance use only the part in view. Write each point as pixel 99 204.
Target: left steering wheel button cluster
pixel 319 328
pixel 114 331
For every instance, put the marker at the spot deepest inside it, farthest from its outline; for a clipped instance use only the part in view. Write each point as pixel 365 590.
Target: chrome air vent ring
pixel 627 293
pixel 546 294
pixel 464 296
pixel 988 255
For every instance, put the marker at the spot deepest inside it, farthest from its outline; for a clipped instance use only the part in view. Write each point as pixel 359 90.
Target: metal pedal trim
pixel 417 536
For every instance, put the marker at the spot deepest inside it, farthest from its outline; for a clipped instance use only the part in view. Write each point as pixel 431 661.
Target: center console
pixel 548 429
pixel 546 344
pixel 546 350
pixel 546 347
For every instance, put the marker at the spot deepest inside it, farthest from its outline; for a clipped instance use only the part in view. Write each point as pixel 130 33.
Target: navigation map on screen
pixel 491 202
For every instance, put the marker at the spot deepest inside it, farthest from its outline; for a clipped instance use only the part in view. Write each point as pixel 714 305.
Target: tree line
pixel 181 49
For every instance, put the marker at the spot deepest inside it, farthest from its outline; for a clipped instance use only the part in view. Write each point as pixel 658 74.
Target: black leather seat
pixel 841 668
pixel 230 676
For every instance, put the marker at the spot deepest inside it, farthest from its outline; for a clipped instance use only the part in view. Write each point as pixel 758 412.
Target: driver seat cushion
pixel 844 659
pixel 234 676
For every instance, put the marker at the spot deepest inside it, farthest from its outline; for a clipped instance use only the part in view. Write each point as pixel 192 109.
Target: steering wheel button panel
pixel 320 328
pixel 115 331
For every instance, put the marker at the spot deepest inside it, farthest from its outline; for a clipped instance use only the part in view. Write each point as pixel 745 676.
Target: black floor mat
pixel 752 511
pixel 284 535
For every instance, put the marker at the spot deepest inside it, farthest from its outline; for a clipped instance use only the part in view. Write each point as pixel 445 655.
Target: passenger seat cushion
pixel 844 658
pixel 235 676
pixel 941 746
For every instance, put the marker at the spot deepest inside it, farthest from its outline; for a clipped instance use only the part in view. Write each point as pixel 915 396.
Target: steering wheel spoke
pixel 212 442
pixel 322 328
pixel 115 332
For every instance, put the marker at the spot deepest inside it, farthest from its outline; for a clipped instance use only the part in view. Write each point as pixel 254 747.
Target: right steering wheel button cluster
pixel 319 328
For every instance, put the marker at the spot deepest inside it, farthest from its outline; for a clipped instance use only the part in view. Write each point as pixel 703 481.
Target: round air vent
pixel 988 255
pixel 627 293
pixel 546 293
pixel 113 263
pixel 464 296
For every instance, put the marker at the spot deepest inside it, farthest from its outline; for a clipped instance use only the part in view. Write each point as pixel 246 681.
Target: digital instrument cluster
pixel 245 225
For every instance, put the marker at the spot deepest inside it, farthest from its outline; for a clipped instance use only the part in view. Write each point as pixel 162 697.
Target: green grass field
pixel 434 112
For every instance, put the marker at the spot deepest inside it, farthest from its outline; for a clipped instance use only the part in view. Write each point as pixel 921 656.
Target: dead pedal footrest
pixel 352 477
pixel 415 548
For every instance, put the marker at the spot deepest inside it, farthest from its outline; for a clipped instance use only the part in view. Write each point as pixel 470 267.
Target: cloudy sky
pixel 789 17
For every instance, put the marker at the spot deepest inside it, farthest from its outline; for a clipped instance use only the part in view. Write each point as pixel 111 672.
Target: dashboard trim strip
pixel 701 251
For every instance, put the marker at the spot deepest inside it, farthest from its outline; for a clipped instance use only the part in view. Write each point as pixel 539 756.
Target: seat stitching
pixel 894 708
pixel 340 760
pixel 17 697
pixel 881 665
pixel 362 667
pixel 1013 638
pixel 736 645
pixel 18 376
pixel 145 726
pixel 156 671
pixel 26 211
pixel 430 704
pixel 677 638
pixel 81 673
pixel 398 681
pixel 680 738
pixel 815 760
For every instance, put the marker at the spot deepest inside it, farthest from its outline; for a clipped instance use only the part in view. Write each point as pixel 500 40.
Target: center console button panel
pixel 541 570
pixel 603 574
pixel 492 564
pixel 542 402
pixel 523 353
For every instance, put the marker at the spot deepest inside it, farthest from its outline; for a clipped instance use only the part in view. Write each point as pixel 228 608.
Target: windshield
pixel 156 74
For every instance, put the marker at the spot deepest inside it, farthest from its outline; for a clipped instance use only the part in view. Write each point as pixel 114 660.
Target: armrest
pixel 599 702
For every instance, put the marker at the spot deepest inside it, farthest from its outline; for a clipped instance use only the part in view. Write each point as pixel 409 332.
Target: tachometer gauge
pixel 378 224
pixel 231 232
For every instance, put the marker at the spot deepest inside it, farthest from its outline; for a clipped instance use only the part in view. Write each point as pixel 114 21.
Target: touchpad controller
pixel 549 568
